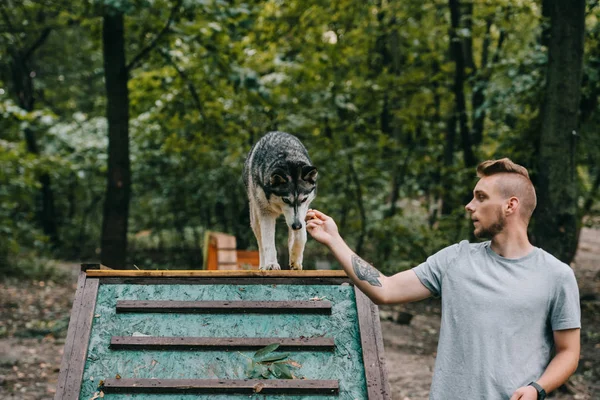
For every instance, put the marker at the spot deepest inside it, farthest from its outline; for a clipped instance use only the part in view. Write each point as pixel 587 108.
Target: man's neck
pixel 513 244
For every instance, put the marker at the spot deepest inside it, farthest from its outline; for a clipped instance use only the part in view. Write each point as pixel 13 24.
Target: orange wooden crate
pixel 221 253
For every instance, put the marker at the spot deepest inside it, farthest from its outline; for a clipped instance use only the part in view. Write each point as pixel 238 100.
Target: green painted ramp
pixel 192 334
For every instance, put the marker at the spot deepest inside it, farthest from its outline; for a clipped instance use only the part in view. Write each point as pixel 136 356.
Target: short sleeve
pixel 432 271
pixel 565 312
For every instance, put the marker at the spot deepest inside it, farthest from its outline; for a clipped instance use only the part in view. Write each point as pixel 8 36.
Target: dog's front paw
pixel 296 266
pixel 274 266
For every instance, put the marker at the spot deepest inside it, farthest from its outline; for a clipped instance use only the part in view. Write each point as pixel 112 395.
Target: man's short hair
pixel 518 183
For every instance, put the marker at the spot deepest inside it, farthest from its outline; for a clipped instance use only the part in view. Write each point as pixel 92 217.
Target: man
pixel 510 311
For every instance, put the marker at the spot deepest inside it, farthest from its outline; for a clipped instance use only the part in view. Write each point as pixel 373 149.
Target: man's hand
pixel 321 227
pixel 525 393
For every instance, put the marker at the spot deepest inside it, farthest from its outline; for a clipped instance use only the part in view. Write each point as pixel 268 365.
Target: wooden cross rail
pixel 243 386
pixel 224 343
pixel 224 307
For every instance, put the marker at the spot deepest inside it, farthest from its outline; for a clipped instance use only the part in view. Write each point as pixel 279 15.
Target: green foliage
pixel 367 86
pixel 31 266
pixel 18 191
pixel 266 364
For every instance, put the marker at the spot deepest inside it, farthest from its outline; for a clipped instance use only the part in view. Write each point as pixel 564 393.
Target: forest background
pixel 125 123
pixel 124 126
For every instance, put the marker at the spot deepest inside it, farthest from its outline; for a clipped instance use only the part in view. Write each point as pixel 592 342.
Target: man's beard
pixel 495 228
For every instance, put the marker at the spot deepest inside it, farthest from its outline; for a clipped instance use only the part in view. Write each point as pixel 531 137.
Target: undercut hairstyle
pixel 517 183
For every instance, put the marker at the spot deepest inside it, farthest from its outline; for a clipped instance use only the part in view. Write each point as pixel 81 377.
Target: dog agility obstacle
pixel 167 334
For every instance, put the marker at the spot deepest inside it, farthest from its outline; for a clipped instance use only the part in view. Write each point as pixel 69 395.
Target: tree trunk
pixel 22 82
pixel 467 43
pixel 479 87
pixel 116 206
pixel 459 79
pixel 556 219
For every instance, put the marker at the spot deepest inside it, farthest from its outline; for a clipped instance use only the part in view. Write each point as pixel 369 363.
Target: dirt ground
pixel 34 317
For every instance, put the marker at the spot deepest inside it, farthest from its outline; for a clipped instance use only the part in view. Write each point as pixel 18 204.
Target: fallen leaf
pixel 281 371
pixel 118 376
pixel 95 396
pixel 258 387
pixel 294 363
pixel 266 350
pixel 272 357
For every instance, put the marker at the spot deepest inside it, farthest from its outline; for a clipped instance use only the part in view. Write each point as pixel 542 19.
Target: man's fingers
pixel 316 214
pixel 313 223
pixel 516 396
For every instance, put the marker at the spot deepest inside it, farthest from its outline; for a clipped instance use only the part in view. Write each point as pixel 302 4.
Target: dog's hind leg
pixel 296 243
pixel 267 245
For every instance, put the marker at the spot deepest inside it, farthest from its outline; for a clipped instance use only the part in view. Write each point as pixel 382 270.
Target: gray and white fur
pixel 279 179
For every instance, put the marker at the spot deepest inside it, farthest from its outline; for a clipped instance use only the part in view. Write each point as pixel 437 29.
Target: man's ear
pixel 309 174
pixel 512 205
pixel 277 178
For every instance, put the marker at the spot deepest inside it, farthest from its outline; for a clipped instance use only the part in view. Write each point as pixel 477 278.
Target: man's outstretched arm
pixel 402 287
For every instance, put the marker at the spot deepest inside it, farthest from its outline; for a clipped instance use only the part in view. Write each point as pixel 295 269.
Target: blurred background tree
pixel 126 122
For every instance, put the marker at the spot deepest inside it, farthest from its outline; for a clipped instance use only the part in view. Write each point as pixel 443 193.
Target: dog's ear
pixel 278 178
pixel 309 174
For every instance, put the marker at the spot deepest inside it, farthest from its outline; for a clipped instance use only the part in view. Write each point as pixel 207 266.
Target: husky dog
pixel 279 179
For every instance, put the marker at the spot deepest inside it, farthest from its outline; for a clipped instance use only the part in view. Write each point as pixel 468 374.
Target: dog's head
pixel 293 188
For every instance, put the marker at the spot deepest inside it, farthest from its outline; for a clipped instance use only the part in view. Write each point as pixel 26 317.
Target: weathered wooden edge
pixel 242 386
pixel 100 273
pixel 378 386
pixel 68 348
pixel 222 281
pixel 222 343
pixel 221 307
pixel 76 362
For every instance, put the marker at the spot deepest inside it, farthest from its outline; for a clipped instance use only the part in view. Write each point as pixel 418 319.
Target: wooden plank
pixel 71 334
pixel 224 241
pixel 83 328
pixel 98 273
pixel 238 386
pixel 227 257
pixel 210 256
pixel 248 258
pixel 224 281
pixel 224 307
pixel 224 343
pixel 378 386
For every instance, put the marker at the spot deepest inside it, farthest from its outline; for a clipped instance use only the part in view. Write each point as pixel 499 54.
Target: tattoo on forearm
pixel 364 271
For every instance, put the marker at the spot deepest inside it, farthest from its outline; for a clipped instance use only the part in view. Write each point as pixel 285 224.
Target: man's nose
pixel 469 207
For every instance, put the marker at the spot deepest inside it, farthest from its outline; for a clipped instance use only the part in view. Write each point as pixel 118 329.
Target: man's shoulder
pixel 461 249
pixel 553 264
pixel 466 246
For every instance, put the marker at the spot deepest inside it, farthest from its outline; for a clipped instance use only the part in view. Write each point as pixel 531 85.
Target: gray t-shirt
pixel 498 315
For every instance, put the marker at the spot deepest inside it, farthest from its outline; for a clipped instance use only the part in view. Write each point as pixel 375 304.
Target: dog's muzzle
pixel 297 225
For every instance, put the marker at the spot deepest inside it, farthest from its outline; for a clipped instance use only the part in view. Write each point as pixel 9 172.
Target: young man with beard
pixel 510 311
